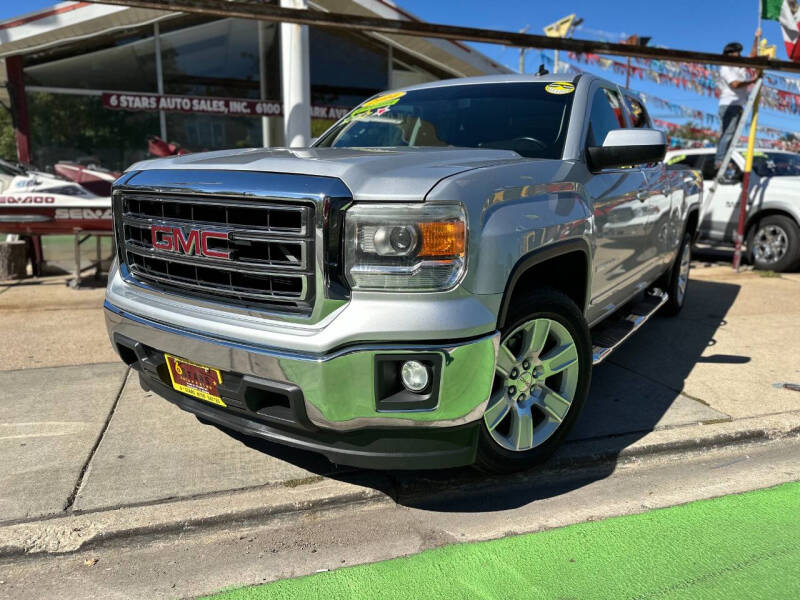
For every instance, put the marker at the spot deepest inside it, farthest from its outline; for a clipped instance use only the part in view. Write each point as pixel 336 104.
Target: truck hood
pixel 386 174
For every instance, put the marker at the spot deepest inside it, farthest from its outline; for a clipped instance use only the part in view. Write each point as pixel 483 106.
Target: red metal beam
pixel 57 10
pixel 19 108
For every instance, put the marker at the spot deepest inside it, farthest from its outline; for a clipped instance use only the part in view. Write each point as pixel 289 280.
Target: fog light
pixel 415 376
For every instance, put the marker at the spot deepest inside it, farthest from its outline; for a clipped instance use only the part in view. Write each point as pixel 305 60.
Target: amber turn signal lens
pixel 442 239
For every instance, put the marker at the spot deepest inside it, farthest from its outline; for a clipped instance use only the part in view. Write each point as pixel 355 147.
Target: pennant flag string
pixel 779 93
pixel 703 118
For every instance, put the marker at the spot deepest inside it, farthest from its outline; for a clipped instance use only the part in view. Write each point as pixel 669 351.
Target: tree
pixel 8 143
pixel 77 127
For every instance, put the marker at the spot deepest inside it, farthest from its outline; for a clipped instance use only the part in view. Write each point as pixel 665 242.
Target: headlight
pixel 405 247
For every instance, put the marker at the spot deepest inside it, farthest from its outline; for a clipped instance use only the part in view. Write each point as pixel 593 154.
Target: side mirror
pixel 624 147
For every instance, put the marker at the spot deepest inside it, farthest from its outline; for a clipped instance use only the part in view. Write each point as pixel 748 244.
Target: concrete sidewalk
pixel 89 456
pixel 45 323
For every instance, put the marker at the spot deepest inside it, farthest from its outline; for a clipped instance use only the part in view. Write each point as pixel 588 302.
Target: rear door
pixel 621 225
pixel 661 203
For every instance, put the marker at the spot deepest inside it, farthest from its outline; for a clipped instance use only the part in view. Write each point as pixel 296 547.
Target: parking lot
pixel 91 461
pixel 90 458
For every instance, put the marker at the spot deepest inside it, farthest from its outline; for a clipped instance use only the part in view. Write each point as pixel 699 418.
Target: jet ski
pixel 38 203
pixel 94 178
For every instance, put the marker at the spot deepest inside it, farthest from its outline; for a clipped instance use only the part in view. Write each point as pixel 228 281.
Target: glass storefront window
pixel 198 133
pixel 128 65
pixel 320 126
pixel 219 58
pixel 404 75
pixel 345 69
pixel 67 127
pixel 200 57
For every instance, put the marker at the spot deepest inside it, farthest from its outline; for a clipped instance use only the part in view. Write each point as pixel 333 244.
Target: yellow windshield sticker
pixel 676 159
pixel 759 153
pixel 381 100
pixel 376 106
pixel 559 87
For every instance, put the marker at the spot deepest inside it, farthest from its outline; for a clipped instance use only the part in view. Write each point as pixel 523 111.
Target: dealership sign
pixel 231 107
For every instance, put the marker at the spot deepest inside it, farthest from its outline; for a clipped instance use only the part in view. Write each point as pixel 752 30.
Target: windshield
pixel 776 164
pixel 6 168
pixel 529 118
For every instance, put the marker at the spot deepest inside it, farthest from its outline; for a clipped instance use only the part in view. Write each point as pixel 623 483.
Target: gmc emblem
pixel 173 239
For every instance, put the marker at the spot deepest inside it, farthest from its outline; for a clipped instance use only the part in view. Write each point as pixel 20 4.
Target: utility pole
pixel 634 40
pixel 522 52
pixel 628 74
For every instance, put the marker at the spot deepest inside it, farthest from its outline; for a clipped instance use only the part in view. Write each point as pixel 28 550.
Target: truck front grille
pixel 252 252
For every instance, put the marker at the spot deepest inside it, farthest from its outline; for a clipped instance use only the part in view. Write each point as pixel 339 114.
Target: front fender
pixel 514 210
pixel 514 230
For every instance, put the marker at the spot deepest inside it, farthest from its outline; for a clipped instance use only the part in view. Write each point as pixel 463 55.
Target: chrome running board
pixel 607 336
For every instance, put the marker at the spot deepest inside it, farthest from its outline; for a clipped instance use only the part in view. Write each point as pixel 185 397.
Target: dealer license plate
pixel 193 379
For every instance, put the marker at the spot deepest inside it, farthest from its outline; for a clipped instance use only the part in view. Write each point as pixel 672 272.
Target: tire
pixel 773 244
pixel 677 282
pixel 521 428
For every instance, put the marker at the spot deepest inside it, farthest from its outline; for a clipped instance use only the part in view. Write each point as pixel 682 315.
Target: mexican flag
pixel 788 13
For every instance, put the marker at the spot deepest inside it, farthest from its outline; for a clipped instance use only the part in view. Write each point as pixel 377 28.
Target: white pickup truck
pixel 772 227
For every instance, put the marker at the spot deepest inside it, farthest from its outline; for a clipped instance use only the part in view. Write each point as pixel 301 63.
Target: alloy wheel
pixel 536 379
pixel 770 244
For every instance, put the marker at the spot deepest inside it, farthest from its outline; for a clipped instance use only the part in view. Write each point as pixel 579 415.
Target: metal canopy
pixel 252 9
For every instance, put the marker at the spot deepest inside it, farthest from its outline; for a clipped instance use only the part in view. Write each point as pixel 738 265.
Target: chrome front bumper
pixel 338 388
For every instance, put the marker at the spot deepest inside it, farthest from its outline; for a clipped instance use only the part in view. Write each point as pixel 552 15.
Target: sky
pixel 702 25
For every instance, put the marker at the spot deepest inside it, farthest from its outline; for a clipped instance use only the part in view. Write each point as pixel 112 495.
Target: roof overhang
pixel 71 21
pixel 456 58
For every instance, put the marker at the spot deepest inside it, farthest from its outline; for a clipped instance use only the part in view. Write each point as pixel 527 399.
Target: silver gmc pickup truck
pixel 427 286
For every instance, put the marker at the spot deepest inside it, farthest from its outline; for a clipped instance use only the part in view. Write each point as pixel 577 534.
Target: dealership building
pixel 92 82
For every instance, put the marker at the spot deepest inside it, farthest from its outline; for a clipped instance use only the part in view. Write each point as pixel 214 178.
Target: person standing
pixel 733 85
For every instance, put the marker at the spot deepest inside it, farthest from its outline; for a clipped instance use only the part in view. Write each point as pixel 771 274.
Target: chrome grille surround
pixel 273 225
